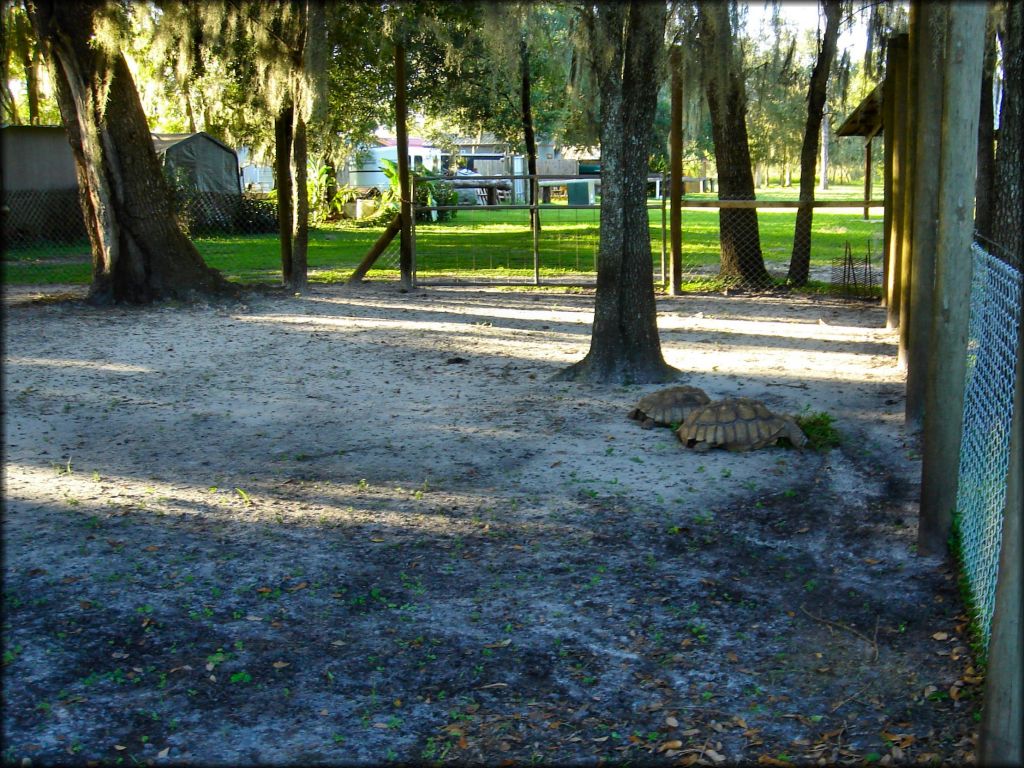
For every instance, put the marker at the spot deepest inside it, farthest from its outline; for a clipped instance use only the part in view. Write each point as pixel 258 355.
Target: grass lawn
pixel 487 244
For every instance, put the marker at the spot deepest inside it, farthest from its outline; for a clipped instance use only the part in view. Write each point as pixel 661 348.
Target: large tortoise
pixel 737 424
pixel 668 407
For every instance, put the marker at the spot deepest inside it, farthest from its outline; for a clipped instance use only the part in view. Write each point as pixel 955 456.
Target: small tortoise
pixel 668 406
pixel 737 424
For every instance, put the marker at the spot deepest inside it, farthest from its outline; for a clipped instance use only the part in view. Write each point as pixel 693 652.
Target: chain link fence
pixel 988 414
pixel 725 244
pixel 45 242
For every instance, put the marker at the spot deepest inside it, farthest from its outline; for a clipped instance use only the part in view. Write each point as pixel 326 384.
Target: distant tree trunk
pixel 984 190
pixel 526 113
pixel 300 206
pixel 139 252
pixel 1009 174
pixel 800 261
pixel 740 239
pixel 625 46
pixel 283 138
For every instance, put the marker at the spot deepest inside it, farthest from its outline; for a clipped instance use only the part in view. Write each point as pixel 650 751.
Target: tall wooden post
pixel 909 121
pixel 931 31
pixel 887 112
pixel 895 90
pixel 947 365
pixel 676 160
pixel 1001 738
pixel 867 175
pixel 402 141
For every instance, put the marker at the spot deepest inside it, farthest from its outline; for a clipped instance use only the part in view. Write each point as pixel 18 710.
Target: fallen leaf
pixel 871 561
pixel 688 760
pixel 940 636
pixel 280 664
pixel 674 744
pixel 769 760
pixel 264 590
pixel 297 587
pixel 163 752
pixel 499 643
pixel 120 747
pixel 377 541
pixel 151 548
pixel 671 722
pixel 251 617
pixel 715 757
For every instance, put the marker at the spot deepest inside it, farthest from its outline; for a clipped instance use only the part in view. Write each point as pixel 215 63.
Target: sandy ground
pixel 362 525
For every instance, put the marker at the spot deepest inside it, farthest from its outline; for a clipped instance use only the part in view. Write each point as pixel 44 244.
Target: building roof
pixel 164 141
pixel 866 119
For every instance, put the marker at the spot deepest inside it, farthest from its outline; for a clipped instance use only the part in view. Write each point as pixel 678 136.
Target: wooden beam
pixel 377 249
pixel 909 124
pixel 947 364
pixel 927 103
pixel 895 87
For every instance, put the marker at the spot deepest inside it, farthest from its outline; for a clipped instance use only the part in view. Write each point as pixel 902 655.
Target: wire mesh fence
pixel 750 244
pixel 45 241
pixel 988 414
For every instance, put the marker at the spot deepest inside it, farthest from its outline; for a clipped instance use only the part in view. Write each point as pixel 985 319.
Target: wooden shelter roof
pixel 866 119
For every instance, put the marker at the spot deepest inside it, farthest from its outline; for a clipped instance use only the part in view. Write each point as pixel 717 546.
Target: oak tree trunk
pixel 300 205
pixel 800 262
pixel 625 45
pixel 139 252
pixel 529 137
pixel 742 260
pixel 283 139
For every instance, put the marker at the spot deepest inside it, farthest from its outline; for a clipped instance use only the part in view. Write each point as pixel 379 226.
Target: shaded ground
pixel 363 526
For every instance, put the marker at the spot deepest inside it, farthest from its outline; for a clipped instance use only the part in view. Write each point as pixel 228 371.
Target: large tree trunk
pixel 1009 184
pixel 742 260
pixel 625 43
pixel 529 137
pixel 800 262
pixel 139 252
pixel 300 206
pixel 283 127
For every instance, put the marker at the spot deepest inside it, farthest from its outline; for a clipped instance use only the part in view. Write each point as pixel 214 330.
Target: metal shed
pixel 198 162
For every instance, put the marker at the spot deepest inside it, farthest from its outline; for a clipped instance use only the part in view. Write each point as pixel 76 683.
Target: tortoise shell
pixel 668 406
pixel 737 424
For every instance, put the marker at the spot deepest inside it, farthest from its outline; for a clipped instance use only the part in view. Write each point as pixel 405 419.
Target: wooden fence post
pixel 947 364
pixel 909 125
pixel 895 91
pixel 927 103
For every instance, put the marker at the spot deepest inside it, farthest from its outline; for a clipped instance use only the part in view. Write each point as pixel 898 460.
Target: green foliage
pixel 820 430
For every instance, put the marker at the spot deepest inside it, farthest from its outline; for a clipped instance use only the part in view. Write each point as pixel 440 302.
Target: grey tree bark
pixel 626 50
pixel 139 252
pixel 800 261
pixel 742 259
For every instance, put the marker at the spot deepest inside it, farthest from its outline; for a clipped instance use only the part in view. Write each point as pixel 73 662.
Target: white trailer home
pixel 364 169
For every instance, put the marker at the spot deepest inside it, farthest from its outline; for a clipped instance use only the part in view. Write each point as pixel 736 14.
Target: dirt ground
pixel 363 526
